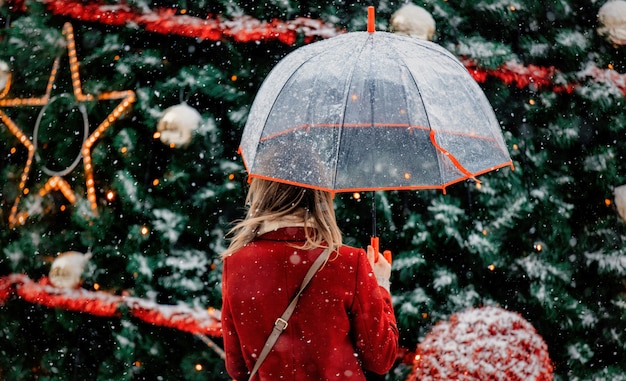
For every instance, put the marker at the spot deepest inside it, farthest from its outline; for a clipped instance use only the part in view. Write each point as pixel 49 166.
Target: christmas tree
pixel 119 129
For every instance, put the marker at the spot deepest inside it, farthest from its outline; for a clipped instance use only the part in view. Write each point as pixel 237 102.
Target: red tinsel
pixel 247 29
pixel 482 344
pixel 512 73
pixel 180 317
pixel 167 21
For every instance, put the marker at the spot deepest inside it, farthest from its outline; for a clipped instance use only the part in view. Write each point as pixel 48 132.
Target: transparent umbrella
pixel 367 111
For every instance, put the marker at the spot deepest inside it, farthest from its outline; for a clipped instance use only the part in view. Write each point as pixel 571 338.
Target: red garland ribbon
pixel 180 317
pixel 166 21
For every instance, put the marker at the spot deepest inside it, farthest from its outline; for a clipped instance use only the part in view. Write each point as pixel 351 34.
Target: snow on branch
pixel 614 262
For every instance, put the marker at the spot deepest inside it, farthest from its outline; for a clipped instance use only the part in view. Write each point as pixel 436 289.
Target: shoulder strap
pixel 281 323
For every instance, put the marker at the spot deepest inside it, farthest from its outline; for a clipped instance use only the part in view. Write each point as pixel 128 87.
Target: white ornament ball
pixel 413 21
pixel 612 19
pixel 177 125
pixel 5 77
pixel 67 269
pixel 620 200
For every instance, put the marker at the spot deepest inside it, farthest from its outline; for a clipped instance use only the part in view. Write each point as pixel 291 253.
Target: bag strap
pixel 281 323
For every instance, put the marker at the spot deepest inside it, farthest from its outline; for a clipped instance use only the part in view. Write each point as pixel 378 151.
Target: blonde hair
pixel 271 201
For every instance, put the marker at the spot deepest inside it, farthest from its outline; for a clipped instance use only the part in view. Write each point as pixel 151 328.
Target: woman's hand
pixel 382 268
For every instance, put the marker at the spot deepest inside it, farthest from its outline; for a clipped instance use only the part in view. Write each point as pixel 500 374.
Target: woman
pixel 343 324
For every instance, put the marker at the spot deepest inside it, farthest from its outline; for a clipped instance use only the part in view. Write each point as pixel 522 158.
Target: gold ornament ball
pixel 413 21
pixel 177 125
pixel 612 20
pixel 67 269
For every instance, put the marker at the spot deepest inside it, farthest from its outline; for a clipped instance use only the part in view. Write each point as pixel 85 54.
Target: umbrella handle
pixel 375 242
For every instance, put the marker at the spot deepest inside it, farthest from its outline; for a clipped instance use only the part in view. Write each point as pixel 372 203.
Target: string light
pixel 538 246
pixel 607 202
pixel 356 195
pixel 15 130
pixel 198 367
pixel 491 267
pixel 231 176
pixel 144 230
pixel 56 183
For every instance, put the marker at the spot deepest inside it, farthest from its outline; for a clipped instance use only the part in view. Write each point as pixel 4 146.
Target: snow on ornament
pixel 478 344
pixel 177 125
pixel 67 268
pixel 620 200
pixel 612 20
pixel 414 21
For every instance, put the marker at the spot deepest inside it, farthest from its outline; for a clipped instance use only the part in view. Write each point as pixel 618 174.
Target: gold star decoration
pixel 56 182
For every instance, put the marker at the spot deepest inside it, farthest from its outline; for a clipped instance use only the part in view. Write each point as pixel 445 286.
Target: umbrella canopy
pixel 371 111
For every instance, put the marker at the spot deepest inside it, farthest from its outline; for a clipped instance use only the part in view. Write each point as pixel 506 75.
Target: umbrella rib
pixel 419 92
pixel 446 154
pixel 345 104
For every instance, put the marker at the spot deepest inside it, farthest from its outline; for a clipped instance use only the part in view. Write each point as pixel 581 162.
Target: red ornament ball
pixel 480 344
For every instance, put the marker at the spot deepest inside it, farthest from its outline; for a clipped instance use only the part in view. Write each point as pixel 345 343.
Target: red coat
pixel 343 323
